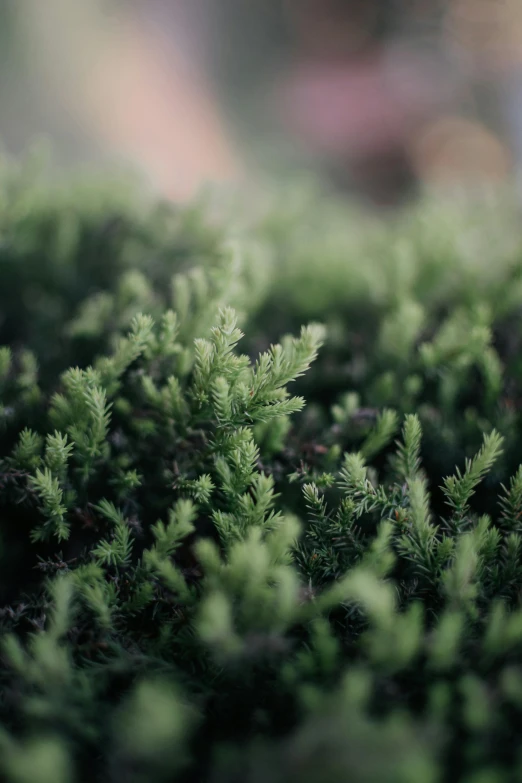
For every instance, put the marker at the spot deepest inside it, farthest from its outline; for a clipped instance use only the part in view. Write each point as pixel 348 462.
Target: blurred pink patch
pixel 360 108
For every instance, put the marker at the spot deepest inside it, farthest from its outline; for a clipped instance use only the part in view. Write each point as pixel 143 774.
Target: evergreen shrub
pixel 203 578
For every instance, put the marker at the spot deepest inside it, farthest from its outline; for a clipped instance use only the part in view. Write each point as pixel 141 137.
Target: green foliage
pixel 201 576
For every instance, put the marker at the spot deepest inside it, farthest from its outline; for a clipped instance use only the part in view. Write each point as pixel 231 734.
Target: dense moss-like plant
pixel 203 578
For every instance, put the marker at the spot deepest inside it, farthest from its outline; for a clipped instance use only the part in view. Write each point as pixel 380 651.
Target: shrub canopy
pixel 203 577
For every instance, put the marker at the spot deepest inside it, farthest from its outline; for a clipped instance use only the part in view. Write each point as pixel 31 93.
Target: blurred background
pixel 380 98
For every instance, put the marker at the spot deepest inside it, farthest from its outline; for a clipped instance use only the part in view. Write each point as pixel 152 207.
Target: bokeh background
pixel 381 98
